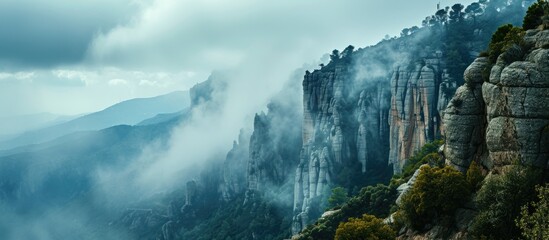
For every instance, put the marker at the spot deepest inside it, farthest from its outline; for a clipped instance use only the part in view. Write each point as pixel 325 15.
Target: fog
pixel 168 45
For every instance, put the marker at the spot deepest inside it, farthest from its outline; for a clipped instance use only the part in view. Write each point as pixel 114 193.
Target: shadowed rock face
pixel 342 124
pixel 514 103
pixel 234 168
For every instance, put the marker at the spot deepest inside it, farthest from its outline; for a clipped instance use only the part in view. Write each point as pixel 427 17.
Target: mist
pixel 167 45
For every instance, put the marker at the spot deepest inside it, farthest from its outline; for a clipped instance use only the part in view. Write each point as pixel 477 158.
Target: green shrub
pixel 436 194
pixel 375 200
pixel 474 176
pixel 427 154
pixel 534 219
pixel 534 15
pixel 504 38
pixel 338 197
pixel 500 200
pixel 367 227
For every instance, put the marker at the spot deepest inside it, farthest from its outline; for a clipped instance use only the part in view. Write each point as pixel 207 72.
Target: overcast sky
pixel 71 57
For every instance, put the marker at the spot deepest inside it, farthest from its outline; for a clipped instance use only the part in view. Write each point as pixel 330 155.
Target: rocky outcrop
pixel 325 143
pixel 517 107
pixel 414 117
pixel 210 91
pixel 234 168
pixel 274 147
pixel 265 164
pixel 514 104
pixel 191 197
pixel 465 120
pixel 344 126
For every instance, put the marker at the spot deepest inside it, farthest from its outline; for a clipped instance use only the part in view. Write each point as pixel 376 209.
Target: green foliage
pixel 367 227
pixel 500 200
pixel 436 194
pixel 338 197
pixel 505 37
pixel 258 219
pixel 427 154
pixel 474 176
pixel 375 200
pixel 534 217
pixel 534 15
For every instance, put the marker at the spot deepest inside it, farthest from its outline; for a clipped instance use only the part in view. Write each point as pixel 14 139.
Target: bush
pixel 427 154
pixel 338 197
pixel 534 219
pixel 504 38
pixel 367 227
pixel 436 194
pixel 534 15
pixel 500 200
pixel 474 176
pixel 375 200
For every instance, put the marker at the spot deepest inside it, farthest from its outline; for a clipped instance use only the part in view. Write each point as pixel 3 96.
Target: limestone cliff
pixel 415 97
pixel 274 145
pixel 510 115
pixel 345 133
pixel 234 168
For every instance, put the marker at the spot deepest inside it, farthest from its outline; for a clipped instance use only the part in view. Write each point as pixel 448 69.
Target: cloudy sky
pixel 71 57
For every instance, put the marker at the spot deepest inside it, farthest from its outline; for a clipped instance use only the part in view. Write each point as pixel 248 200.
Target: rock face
pixel 465 120
pixel 514 104
pixel 234 168
pixel 414 117
pixel 342 125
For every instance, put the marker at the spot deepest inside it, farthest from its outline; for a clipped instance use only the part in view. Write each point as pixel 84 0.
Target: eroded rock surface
pixel 512 110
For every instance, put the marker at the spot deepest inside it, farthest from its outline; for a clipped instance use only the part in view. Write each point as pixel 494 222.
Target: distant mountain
pixel 14 125
pixel 56 179
pixel 163 117
pixel 130 112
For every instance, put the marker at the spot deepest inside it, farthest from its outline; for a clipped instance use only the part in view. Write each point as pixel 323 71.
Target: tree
pixel 456 14
pixel 347 52
pixel 499 201
pixel 534 15
pixel 441 15
pixel 535 224
pixel 504 37
pixel 473 11
pixel 367 227
pixel 335 55
pixel 474 176
pixel 338 197
pixel 435 195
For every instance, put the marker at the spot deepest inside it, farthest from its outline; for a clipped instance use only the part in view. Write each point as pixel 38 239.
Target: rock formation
pixel 512 110
pixel 464 118
pixel 414 117
pixel 234 168
pixel 343 125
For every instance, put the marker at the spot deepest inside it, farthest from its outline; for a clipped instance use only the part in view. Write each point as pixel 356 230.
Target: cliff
pixel 358 119
pixel 345 131
pixel 417 97
pixel 504 119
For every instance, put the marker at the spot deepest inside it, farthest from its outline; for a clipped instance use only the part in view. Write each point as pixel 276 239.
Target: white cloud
pixel 117 82
pixel 85 77
pixel 215 34
pixel 17 75
pixel 145 82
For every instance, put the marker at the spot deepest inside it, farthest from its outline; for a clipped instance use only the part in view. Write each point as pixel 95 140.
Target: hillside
pixel 128 112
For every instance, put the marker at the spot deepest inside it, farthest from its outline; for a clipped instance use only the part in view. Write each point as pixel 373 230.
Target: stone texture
pixel 414 116
pixel 464 119
pixel 512 118
pixel 342 123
